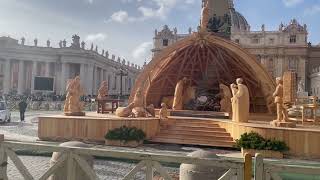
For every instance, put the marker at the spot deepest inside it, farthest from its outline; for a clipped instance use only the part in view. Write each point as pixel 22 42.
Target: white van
pixel 5 114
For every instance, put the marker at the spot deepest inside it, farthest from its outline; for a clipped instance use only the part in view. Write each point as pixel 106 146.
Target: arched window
pixel 293 39
pixel 293 64
pixel 165 42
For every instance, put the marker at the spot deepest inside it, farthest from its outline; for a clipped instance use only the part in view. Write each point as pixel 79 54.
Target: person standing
pixel 22 109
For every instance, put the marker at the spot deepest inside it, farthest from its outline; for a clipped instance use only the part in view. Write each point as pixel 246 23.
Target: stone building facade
pixel 20 64
pixel 278 50
pixel 314 69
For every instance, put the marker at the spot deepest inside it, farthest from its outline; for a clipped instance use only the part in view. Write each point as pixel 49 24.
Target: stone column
pixel 101 76
pixel 34 74
pixel 63 79
pixel 7 78
pixel 47 69
pixel 83 77
pixel 21 78
pixel 90 79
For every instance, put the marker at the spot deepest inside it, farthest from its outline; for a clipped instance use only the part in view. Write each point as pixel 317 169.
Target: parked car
pixel 5 114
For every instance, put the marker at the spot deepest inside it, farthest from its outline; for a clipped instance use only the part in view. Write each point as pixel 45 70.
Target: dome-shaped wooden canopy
pixel 203 56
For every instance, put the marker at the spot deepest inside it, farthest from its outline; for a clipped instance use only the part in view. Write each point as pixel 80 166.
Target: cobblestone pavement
pixel 111 170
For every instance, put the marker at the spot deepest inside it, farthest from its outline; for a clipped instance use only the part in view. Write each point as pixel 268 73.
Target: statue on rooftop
pixel 107 54
pixel 64 43
pixel 83 45
pixel 96 48
pixel 23 40
pixel 60 44
pixel 102 53
pixel 75 42
pixel 35 42
pixel 48 43
pixel 240 102
pixel 73 106
pixel 91 47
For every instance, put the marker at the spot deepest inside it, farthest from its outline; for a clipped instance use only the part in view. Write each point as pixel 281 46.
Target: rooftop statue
pixel 35 42
pixel 83 45
pixel 91 47
pixel 48 43
pixel 107 54
pixel 23 40
pixel 73 106
pixel 64 43
pixel 60 44
pixel 75 41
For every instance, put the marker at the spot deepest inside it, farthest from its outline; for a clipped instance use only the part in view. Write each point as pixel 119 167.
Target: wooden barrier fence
pixel 240 169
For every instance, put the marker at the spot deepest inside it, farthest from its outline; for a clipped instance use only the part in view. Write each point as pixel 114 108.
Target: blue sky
pixel 126 27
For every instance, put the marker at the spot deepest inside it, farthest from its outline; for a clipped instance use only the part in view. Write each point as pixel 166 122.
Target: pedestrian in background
pixel 22 108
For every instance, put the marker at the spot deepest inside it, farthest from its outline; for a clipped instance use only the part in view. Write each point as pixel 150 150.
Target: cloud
pixel 96 37
pixel 89 1
pixel 142 52
pixel 312 10
pixel 161 11
pixel 290 3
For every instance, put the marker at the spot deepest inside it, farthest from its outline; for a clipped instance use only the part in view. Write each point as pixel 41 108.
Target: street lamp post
pixel 122 73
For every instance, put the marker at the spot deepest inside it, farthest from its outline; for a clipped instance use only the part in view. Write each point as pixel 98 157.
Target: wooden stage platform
pixel 91 127
pixel 303 141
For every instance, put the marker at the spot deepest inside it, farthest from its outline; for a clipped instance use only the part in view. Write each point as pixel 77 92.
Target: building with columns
pixel 20 64
pixel 280 50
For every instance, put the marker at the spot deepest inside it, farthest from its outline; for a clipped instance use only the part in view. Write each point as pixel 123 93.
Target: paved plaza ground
pixel 106 169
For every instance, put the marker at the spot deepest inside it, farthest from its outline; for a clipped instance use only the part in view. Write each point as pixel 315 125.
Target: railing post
pixel 247 167
pixel 258 167
pixel 3 160
pixel 71 167
pixel 149 170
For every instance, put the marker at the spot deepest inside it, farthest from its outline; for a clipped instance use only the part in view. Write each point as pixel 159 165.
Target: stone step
pixel 211 143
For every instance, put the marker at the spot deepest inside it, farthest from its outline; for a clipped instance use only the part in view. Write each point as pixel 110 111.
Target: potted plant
pixel 125 136
pixel 253 143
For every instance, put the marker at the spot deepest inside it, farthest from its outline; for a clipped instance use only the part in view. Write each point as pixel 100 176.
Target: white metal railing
pixel 72 155
pixel 267 169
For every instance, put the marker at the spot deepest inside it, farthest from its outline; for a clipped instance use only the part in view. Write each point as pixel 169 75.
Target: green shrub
pixel 126 134
pixel 256 141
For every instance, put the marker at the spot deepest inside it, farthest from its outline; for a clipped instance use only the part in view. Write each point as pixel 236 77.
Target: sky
pixel 126 27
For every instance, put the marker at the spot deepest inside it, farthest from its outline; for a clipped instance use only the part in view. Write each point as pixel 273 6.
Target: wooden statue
pixel 205 15
pixel 138 99
pixel 163 113
pixel 278 100
pixel 240 102
pixel 226 96
pixel 179 94
pixel 103 90
pixel 73 105
pixel 125 111
pixel 282 114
